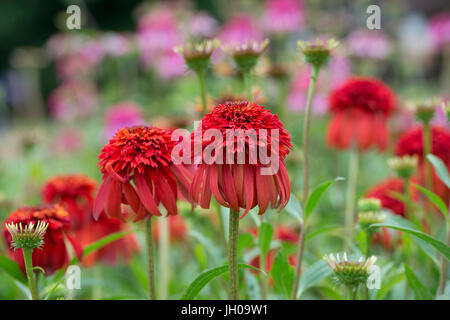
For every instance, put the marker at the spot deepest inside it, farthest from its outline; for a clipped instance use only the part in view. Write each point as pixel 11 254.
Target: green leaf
pixel 437 201
pixel 205 277
pixel 315 196
pixel 440 168
pixel 313 275
pixel 294 208
pixel 420 291
pixel 12 268
pixel 245 241
pixel 283 273
pixel 398 223
pixel 265 234
pixel 326 229
pixel 104 241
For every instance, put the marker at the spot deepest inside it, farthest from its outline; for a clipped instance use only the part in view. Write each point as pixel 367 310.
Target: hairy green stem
pixel 306 126
pixel 427 150
pixel 27 257
pixel 247 75
pixel 369 235
pixel 351 191
pixel 233 236
pixel 352 292
pixel 202 83
pixel 150 259
pixel 164 261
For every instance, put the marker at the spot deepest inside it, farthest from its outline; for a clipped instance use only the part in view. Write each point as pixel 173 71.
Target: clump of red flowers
pixel 143 155
pixel 411 143
pixel 360 108
pixel 241 185
pixel 54 253
pixel 76 194
pixel 385 190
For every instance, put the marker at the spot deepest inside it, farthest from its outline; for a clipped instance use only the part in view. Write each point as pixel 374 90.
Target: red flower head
pixel 177 228
pixel 142 155
pixel 360 108
pixel 411 143
pixel 75 193
pixel 384 191
pixel 54 253
pixel 236 173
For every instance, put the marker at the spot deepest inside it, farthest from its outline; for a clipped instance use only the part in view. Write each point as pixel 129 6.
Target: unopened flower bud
pixel 247 54
pixel 317 53
pixel 197 55
pixel 369 204
pixel 29 237
pixel 404 166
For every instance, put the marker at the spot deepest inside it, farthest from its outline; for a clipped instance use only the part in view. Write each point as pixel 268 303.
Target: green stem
pixel 27 257
pixel 247 75
pixel 232 255
pixel 352 290
pixel 351 191
pixel 262 266
pixel 164 261
pixel 202 84
pixel 426 151
pixel 369 235
pixel 150 259
pixel 306 126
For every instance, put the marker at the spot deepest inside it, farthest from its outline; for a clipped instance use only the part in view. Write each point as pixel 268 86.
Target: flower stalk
pixel 351 191
pixel 27 257
pixel 233 235
pixel 150 258
pixel 317 54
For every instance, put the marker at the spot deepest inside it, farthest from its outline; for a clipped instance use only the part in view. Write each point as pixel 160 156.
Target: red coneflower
pixel 385 190
pixel 242 185
pixel 143 155
pixel 411 143
pixel 75 193
pixel 360 108
pixel 237 173
pixel 54 253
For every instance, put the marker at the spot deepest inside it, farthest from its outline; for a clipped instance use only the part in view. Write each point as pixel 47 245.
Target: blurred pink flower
pixel 157 34
pixel 202 25
pixel 72 99
pixel 170 65
pixel 120 115
pixel 238 29
pixel 73 66
pixel 282 16
pixel 68 140
pixel 116 44
pixel 369 44
pixel 439 28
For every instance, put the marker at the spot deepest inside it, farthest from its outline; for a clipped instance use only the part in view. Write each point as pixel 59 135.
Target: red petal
pixel 112 207
pixel 145 195
pixel 99 202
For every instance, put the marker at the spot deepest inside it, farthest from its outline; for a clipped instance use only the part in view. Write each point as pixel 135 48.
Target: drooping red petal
pixel 112 206
pixel 100 200
pixel 145 195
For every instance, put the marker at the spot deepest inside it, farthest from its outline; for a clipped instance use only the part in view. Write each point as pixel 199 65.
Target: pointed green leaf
pixel 12 268
pixel 265 234
pixel 205 277
pixel 440 168
pixel 420 291
pixel 315 196
pixel 437 201
pixel 283 273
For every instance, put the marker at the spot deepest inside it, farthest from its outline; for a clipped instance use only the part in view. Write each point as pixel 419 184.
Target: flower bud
pixel 317 54
pixel 29 237
pixel 350 273
pixel 197 55
pixel 247 54
pixel 369 204
pixel 404 166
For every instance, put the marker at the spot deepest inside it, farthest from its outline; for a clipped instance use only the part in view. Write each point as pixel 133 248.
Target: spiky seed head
pixel 30 236
pixel 246 55
pixel 366 219
pixel 197 55
pixel 350 273
pixel 424 109
pixel 317 53
pixel 404 166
